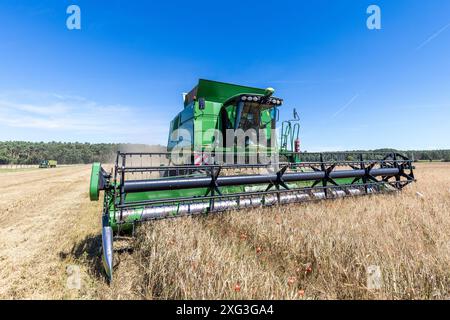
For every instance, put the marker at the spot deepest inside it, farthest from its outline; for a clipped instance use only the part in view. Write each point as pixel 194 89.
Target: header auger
pixel 222 155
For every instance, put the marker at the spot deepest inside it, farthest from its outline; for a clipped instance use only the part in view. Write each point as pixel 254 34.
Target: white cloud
pixel 35 112
pixel 56 108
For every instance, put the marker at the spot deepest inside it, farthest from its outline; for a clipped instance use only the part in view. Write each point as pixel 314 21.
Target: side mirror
pixel 296 117
pixel 201 103
pixel 277 114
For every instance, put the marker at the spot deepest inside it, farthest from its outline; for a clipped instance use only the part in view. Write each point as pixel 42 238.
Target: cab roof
pixel 216 91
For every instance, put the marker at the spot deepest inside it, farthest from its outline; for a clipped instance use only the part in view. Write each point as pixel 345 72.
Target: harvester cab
pixel 218 123
pixel 221 118
pixel 43 164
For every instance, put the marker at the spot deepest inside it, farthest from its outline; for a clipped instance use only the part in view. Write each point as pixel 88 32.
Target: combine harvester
pixel 216 161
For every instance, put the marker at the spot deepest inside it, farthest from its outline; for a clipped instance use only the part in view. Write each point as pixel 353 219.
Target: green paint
pixel 94 182
pixel 211 106
pixel 215 91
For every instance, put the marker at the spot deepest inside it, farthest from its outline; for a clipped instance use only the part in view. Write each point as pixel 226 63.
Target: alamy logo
pixel 73 21
pixel 73 277
pixel 374 20
pixel 374 277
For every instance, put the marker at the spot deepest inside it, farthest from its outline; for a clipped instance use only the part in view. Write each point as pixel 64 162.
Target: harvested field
pixel 321 250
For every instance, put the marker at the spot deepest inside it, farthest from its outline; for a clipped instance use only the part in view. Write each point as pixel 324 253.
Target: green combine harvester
pixel 223 154
pixel 48 164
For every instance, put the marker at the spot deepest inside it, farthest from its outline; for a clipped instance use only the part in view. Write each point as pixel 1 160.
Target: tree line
pixel 378 154
pixel 22 152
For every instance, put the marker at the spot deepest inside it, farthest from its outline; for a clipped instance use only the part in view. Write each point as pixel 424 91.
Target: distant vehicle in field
pixel 48 164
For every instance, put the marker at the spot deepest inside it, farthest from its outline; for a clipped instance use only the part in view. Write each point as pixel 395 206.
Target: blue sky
pixel 120 78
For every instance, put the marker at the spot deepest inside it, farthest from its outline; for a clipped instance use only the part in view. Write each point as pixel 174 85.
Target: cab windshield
pixel 250 118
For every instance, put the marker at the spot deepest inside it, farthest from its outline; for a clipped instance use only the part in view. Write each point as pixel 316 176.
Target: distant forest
pixel 20 152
